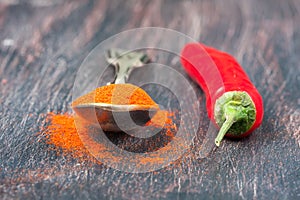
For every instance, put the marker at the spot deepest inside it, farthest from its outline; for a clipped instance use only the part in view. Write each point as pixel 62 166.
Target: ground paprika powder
pixel 121 94
pixel 61 131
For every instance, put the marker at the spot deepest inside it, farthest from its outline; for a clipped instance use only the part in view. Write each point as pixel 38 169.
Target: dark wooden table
pixel 42 47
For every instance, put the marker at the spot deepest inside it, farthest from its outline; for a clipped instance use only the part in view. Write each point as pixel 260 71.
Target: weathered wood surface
pixel 42 47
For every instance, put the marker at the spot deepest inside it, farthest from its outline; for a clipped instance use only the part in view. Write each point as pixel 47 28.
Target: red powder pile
pixel 116 94
pixel 62 133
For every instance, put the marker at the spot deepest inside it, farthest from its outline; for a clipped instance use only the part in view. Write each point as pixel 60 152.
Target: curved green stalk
pixel 225 127
pixel 234 113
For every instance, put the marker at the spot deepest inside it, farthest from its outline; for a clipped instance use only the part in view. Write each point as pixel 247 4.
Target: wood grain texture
pixel 41 48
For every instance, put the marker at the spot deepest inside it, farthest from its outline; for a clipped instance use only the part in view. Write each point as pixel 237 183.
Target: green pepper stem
pixel 225 127
pixel 235 113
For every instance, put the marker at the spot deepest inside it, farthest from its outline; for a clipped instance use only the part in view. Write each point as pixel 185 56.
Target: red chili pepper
pixel 232 101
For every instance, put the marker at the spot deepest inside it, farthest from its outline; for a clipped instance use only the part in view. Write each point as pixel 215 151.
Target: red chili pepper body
pixel 218 74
